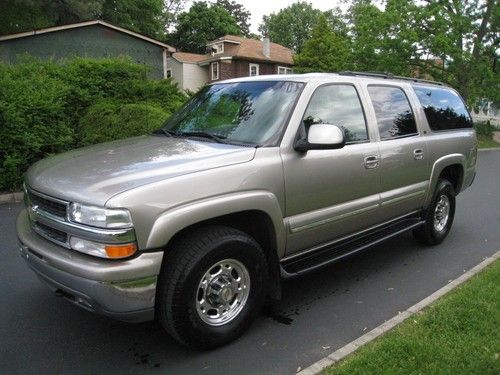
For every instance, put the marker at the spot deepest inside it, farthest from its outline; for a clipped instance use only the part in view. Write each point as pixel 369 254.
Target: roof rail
pixel 389 76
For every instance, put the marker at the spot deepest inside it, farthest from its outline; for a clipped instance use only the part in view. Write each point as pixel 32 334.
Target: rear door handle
pixel 418 154
pixel 371 162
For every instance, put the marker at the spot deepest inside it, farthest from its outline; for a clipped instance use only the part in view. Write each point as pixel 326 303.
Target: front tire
pixel 439 216
pixel 211 287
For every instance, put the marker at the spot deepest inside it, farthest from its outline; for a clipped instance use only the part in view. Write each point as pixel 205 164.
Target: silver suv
pixel 253 180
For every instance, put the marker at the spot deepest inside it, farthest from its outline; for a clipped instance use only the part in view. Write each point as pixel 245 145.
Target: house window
pixel 169 73
pixel 217 49
pixel 284 70
pixel 253 70
pixel 215 71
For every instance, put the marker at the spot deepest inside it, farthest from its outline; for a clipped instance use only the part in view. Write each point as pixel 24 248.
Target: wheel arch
pixel 451 167
pixel 256 213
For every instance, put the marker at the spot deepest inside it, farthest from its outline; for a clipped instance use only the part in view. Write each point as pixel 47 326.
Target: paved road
pixel 319 313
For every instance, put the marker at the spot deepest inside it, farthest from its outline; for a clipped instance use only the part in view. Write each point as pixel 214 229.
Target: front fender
pixel 181 217
pixel 439 165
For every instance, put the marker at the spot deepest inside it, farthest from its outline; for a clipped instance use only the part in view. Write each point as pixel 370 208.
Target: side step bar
pixel 321 257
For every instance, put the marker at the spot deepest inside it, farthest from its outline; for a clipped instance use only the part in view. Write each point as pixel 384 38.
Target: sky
pixel 259 8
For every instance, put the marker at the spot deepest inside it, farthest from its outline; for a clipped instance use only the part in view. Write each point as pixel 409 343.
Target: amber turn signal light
pixel 120 251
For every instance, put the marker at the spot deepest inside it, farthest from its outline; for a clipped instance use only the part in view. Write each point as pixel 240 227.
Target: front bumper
pixel 122 289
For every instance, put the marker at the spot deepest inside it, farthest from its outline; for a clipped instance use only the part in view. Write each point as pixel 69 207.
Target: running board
pixel 310 261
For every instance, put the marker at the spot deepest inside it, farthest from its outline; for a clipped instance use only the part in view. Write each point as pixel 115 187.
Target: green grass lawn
pixel 486 141
pixel 459 334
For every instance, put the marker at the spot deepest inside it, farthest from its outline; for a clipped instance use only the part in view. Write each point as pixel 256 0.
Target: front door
pixel 331 193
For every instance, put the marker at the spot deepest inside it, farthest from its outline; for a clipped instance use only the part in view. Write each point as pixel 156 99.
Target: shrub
pixel 44 103
pixel 484 128
pixel 107 121
pixel 34 121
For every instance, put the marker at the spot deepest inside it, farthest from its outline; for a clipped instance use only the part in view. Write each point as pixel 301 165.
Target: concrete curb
pixel 489 149
pixel 11 197
pixel 343 352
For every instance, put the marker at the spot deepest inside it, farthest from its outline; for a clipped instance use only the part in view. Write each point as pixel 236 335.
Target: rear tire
pixel 439 216
pixel 211 287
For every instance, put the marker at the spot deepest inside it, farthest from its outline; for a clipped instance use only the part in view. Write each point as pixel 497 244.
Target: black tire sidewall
pixel 446 188
pixel 189 326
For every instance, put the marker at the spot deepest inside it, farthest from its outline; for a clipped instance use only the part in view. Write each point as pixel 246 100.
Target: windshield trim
pixel 273 141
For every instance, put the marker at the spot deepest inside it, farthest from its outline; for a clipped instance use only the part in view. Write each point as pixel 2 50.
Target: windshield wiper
pixel 168 133
pixel 216 138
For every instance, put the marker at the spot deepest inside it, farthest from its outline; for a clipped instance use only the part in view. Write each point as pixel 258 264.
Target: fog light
pixel 103 250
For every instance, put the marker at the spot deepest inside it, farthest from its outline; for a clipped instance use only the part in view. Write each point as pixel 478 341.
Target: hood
pixel 94 174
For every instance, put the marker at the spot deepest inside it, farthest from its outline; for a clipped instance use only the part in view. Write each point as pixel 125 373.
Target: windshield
pixel 245 112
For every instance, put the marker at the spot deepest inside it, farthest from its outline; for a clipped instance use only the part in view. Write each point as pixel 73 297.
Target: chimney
pixel 266 47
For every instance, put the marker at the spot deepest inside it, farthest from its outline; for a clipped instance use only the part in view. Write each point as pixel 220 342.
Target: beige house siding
pixel 177 71
pixel 194 77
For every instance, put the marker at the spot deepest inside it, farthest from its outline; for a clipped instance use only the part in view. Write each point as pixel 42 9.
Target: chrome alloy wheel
pixel 441 213
pixel 223 292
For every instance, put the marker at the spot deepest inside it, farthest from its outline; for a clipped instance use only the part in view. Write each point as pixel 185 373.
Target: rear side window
pixel 392 109
pixel 443 108
pixel 338 105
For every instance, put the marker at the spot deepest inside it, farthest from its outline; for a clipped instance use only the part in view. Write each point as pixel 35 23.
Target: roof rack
pixel 389 76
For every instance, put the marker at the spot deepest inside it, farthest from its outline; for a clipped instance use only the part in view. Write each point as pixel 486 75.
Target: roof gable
pixel 83 24
pixel 252 49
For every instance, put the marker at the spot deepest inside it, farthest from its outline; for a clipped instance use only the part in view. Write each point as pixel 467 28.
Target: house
pixel 91 39
pixel 229 57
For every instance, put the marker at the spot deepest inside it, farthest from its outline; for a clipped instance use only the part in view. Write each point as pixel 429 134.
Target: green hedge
pixel 48 107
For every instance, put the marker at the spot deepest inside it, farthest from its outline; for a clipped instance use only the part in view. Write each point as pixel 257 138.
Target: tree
pixel 23 15
pixel 325 51
pixel 291 26
pixel 384 40
pixel 142 16
pixel 465 35
pixel 171 10
pixel 201 24
pixel 240 14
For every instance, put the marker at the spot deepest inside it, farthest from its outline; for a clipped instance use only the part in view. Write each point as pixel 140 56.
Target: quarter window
pixel 443 108
pixel 338 105
pixel 392 109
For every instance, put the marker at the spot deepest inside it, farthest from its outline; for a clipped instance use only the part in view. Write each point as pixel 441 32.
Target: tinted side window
pixel 338 105
pixel 392 109
pixel 443 108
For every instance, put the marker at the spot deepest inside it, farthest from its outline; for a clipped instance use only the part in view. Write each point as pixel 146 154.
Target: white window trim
pixel 250 69
pixel 286 69
pixel 212 71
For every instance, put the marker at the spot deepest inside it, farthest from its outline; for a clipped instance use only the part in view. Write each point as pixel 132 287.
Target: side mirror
pixel 321 137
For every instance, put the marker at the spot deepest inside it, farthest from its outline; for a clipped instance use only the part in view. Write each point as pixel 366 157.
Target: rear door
pixel 404 167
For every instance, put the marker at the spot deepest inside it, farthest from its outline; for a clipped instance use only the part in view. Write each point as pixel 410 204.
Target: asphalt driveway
pixel 319 313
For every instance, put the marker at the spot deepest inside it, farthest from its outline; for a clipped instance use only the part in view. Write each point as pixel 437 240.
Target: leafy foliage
pixel 201 24
pixel 108 120
pixel 46 108
pixel 240 14
pixel 325 51
pixel 148 17
pixel 292 25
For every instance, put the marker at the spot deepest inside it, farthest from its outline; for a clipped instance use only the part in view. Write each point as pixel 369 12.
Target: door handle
pixel 371 162
pixel 418 154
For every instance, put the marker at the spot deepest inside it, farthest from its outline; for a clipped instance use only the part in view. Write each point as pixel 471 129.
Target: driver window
pixel 338 105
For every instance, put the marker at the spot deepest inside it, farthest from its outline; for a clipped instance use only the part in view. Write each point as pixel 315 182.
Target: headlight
pixel 99 217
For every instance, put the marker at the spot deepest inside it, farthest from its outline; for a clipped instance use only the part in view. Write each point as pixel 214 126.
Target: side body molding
pixel 438 167
pixel 181 217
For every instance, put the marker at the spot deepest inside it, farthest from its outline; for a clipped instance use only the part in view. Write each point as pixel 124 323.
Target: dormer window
pixel 219 48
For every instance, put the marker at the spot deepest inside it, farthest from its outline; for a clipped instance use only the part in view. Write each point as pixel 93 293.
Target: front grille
pixel 51 206
pixel 51 233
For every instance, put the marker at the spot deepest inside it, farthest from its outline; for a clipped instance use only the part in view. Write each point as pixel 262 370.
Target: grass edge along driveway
pixel 459 334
